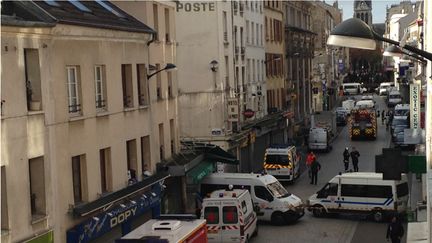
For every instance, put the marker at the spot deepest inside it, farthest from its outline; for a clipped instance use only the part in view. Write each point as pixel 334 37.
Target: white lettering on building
pixel 121 217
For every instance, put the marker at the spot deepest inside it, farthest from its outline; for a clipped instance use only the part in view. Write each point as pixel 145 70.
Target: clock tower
pixel 363 11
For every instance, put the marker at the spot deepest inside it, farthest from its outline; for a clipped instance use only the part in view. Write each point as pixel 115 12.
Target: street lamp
pixel 355 33
pixel 394 51
pixel 169 66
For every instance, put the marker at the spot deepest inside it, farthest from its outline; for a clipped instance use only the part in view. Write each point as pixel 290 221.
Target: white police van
pixel 274 202
pixel 230 216
pixel 361 192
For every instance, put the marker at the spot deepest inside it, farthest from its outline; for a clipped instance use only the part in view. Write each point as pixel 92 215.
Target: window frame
pixel 73 85
pixel 101 101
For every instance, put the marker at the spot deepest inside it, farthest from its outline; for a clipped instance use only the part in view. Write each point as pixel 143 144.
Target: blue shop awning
pixel 106 200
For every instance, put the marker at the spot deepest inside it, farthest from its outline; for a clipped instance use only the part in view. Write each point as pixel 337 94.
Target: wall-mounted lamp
pixel 169 66
pixel 214 66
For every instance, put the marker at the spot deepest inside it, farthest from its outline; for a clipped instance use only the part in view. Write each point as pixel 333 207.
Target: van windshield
pixel 401 112
pixel 278 190
pixel 277 159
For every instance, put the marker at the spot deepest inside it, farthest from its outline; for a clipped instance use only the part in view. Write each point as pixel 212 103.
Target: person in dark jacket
pixel 395 230
pixel 354 157
pixel 315 167
pixel 346 156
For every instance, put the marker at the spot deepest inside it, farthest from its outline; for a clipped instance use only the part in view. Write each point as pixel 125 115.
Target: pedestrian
pixel 315 167
pixel 383 118
pixel 346 156
pixel 309 159
pixel 395 230
pixel 354 158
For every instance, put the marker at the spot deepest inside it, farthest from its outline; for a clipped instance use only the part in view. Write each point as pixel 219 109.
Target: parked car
pixel 394 98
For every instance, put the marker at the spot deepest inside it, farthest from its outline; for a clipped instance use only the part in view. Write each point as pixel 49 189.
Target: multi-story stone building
pixel 274 46
pixel 299 39
pixel 83 120
pixel 329 63
pixel 222 89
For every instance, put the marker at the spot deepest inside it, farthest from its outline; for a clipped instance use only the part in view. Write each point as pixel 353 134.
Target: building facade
pixel 363 11
pixel 299 49
pixel 329 63
pixel 81 131
pixel 274 47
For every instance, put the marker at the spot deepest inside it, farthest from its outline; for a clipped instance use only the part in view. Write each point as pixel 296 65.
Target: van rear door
pixel 211 212
pixel 402 196
pixel 230 222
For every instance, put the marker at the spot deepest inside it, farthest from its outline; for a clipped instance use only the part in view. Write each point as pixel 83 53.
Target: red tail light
pixel 241 230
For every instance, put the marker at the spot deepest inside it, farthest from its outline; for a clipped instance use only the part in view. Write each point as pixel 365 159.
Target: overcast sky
pixel 378 8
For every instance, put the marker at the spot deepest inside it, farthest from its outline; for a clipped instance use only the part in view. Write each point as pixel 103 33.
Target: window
pixel 33 79
pixel 126 71
pixel 170 85
pixel 131 157
pixel 78 178
pixel 4 206
pixel 262 193
pixel 74 90
pixel 161 142
pixel 348 190
pixel 109 8
pixel 244 207
pixel 379 191
pixel 211 214
pixel 145 154
pixel 100 87
pixel 80 6
pixel 52 3
pixel 143 96
pixel 156 21
pixel 330 189
pixel 173 136
pixel 402 190
pixel 37 187
pixel 230 215
pixel 158 83
pixel 167 26
pixel 105 169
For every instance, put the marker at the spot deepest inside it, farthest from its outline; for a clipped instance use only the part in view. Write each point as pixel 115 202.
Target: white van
pixel 401 111
pixel 319 139
pixel 383 88
pixel 230 216
pixel 352 88
pixel 274 202
pixel 282 162
pixel 361 192
pixel 394 98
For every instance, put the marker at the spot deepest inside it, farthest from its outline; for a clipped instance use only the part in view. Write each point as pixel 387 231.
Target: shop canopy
pixel 111 198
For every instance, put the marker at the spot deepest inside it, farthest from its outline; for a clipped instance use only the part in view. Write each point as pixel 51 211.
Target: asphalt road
pixel 344 228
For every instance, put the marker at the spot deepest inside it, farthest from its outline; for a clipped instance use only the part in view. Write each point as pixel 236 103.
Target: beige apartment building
pixel 275 49
pixel 83 122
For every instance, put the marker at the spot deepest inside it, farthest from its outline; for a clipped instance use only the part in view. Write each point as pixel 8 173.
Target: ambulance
pixel 169 228
pixel 282 162
pixel 230 216
pixel 274 202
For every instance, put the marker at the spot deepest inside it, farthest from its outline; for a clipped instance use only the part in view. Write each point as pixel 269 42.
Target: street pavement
pixel 343 228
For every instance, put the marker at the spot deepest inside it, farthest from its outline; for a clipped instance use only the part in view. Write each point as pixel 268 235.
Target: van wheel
pixel 377 215
pixel 277 218
pixel 318 211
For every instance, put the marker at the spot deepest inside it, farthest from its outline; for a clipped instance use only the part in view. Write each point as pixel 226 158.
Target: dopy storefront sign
pixel 121 213
pixel 415 106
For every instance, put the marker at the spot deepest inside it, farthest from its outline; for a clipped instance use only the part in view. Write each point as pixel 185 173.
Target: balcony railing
pixel 74 108
pixel 100 104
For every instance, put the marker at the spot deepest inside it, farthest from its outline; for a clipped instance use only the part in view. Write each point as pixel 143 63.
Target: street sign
pixel 415 106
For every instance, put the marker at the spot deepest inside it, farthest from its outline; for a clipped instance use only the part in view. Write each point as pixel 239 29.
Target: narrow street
pixel 344 228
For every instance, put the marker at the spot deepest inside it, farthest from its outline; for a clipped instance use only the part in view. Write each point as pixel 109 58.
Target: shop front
pixel 114 215
pixel 188 169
